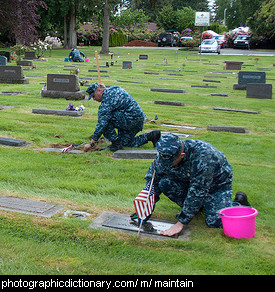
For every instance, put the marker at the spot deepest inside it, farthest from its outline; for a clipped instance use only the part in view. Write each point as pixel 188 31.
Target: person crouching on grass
pixel 193 174
pixel 119 110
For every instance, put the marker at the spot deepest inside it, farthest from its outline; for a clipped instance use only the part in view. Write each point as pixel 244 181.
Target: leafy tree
pixel 263 21
pixel 20 19
pixel 177 20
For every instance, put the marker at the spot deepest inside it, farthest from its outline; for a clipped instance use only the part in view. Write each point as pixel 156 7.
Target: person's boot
pixel 154 136
pixel 116 145
pixel 241 198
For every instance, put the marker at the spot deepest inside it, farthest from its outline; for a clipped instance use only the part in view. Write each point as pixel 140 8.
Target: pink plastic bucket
pixel 239 222
pixel 87 60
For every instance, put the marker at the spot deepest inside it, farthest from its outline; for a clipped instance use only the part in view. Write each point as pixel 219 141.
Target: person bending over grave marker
pixel 74 56
pixel 193 174
pixel 118 110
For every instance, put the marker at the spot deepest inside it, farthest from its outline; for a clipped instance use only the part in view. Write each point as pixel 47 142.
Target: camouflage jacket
pixel 203 169
pixel 116 99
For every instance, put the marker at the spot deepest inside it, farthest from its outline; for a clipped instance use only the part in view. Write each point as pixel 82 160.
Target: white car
pixel 210 46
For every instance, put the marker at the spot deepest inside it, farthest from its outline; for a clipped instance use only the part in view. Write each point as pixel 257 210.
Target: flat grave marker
pixel 168 90
pixel 59 150
pixel 239 130
pixel 12 142
pixel 172 103
pixel 44 111
pixel 37 208
pixel 135 154
pixel 151 229
pixel 235 110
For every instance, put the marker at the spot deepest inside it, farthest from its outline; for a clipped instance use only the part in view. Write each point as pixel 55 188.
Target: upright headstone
pixel 143 57
pixel 3 61
pixel 63 86
pixel 30 55
pixel 245 77
pixel 25 63
pixel 127 65
pixel 6 54
pixel 257 90
pixel 233 65
pixel 13 75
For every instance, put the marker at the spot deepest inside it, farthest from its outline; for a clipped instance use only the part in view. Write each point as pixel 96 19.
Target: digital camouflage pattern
pixel 202 179
pixel 75 56
pixel 118 110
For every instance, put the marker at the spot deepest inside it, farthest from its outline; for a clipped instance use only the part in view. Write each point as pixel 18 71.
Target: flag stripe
pixel 144 202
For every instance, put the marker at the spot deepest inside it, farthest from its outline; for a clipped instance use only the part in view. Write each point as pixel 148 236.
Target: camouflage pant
pixel 127 128
pixel 177 191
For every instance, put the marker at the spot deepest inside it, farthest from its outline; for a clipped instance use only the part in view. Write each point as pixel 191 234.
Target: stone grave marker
pixel 151 229
pixel 235 110
pixel 151 73
pixel 258 90
pixel 12 75
pixel 127 65
pixel 25 63
pixel 12 142
pixel 143 57
pixel 63 86
pixel 173 103
pixel 101 71
pixel 43 111
pixel 3 61
pixel 37 208
pixel 239 130
pixel 168 90
pixel 6 54
pixel 135 154
pixel 233 65
pixel 30 55
pixel 59 150
pixel 245 77
pixel 219 94
pixel 179 127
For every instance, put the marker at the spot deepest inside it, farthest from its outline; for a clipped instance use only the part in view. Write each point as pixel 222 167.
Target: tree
pixel 237 11
pixel 263 21
pixel 177 20
pixel 20 19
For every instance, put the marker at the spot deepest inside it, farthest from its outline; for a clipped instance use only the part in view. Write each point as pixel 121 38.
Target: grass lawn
pixel 95 182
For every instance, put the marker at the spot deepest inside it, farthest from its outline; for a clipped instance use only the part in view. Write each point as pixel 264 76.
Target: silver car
pixel 210 46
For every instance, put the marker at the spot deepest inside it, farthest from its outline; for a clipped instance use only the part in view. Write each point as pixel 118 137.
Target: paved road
pixel 225 52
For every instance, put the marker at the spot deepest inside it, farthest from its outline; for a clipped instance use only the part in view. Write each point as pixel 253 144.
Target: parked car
pixel 242 41
pixel 221 39
pixel 210 46
pixel 167 39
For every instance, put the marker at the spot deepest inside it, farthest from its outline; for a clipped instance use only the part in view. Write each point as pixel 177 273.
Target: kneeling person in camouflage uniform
pixel 193 174
pixel 118 110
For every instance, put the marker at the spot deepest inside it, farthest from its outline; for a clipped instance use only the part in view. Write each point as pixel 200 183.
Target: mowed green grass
pixel 95 182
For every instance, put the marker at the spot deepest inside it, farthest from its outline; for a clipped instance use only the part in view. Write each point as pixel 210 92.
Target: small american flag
pixel 144 202
pixel 64 150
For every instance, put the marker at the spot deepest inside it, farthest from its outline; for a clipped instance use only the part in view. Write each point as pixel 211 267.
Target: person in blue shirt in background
pixel 194 175
pixel 74 56
pixel 119 110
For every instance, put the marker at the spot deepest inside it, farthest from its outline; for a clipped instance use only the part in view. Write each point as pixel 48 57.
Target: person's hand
pixel 175 229
pixel 87 147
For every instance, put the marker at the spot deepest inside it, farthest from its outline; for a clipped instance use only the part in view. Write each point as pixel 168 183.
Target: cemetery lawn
pixel 95 182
